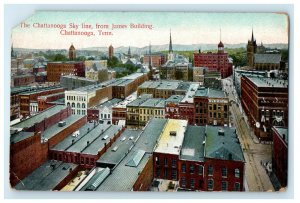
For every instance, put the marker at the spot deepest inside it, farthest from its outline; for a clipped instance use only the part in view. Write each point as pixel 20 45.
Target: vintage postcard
pixel 149 101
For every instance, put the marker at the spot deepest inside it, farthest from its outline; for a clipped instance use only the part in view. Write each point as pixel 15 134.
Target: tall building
pixel 72 53
pixel 110 51
pixel 57 69
pixel 251 50
pixel 215 61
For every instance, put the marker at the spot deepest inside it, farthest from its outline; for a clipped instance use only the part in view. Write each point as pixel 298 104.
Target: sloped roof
pixel 267 58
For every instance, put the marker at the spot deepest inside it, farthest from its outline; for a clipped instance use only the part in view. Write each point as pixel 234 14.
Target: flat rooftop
pixel 189 96
pixel 223 143
pixel 154 102
pixel 126 101
pixel 19 136
pixel 168 85
pixel 43 89
pixel 47 176
pixel 136 103
pixel 201 92
pixel 108 103
pixel 175 99
pixel 172 137
pixel 214 93
pixel 19 89
pixel 193 144
pixel 52 95
pixel 133 76
pixel 78 78
pixel 54 129
pixel 268 82
pixel 119 149
pixel 39 117
pixel 92 135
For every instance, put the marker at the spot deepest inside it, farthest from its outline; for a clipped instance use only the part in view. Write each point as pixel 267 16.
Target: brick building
pixel 15 100
pixel 119 111
pixel 172 107
pixel 57 69
pixel 28 100
pixel 72 53
pixel 265 102
pixel 45 102
pixel 215 61
pixel 157 59
pixel 211 107
pixel 280 154
pixel 22 80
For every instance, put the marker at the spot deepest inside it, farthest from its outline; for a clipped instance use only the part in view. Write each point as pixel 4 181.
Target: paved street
pixel 256 178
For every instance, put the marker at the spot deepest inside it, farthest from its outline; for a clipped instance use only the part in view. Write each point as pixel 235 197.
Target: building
pixel 119 111
pixel 22 80
pixel 96 70
pixel 157 59
pixel 50 176
pixel 47 101
pixel 251 50
pixel 265 102
pixel 172 107
pixel 198 74
pixel 280 154
pixel 72 53
pixel 29 99
pixel 110 51
pixel 211 107
pixel 57 69
pixel 102 112
pixel 71 82
pixel 213 80
pixel 15 100
pixel 214 61
pixel 141 110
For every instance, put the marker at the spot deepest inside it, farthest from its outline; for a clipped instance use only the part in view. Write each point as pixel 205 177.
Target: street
pixel 256 178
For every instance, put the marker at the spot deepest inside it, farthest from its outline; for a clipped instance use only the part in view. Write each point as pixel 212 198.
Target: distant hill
pixel 158 48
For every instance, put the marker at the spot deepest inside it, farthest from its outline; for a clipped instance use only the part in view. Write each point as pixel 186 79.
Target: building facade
pixel 57 69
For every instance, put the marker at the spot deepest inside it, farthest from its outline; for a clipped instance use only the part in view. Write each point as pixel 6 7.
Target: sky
pixel 186 28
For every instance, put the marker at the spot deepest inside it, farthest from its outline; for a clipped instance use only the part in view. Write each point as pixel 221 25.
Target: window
pixel 237 173
pixel 210 184
pixel 192 183
pixel 157 172
pixel 157 160
pixel 210 170
pixel 73 105
pixel 215 107
pixel 83 105
pixel 166 161
pixel 183 182
pixel 174 174
pixel 183 168
pixel 192 169
pixel 225 107
pixel 200 170
pixel 236 187
pixel 224 172
pixel 165 173
pixel 83 112
pixel 224 186
pixel 173 162
pixel 78 105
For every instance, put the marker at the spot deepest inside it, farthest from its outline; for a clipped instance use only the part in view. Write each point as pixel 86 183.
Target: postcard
pixel 149 101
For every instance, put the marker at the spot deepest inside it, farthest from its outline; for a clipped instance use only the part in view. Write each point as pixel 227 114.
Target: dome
pixel 220 44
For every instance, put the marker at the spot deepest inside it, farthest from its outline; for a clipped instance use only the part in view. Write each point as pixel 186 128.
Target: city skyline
pixel 186 28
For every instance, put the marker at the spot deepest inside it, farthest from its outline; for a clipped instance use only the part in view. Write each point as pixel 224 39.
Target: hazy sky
pixel 187 28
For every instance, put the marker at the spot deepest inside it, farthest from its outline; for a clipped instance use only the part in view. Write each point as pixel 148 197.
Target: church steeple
pixel 170 44
pixel 129 52
pixel 150 57
pixel 252 37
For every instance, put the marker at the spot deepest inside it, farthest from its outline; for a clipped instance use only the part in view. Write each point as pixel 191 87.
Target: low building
pixel 15 100
pixel 50 176
pixel 280 154
pixel 96 70
pixel 157 59
pixel 198 74
pixel 172 106
pixel 71 82
pixel 267 62
pixel 119 111
pixel 45 102
pixel 22 80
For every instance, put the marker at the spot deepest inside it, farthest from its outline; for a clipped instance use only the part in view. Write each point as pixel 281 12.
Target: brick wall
pixel 145 178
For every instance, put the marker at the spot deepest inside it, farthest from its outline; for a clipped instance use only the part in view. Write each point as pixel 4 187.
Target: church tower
pixel 129 52
pixel 251 50
pixel 220 45
pixel 170 54
pixel 72 53
pixel 110 51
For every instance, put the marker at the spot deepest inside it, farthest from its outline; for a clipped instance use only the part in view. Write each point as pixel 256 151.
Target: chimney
pixel 87 143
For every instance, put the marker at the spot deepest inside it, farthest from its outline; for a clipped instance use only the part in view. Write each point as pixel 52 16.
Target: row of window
pixel 151 111
pixel 219 107
pixel 78 105
pixel 210 184
pixel 209 170
pixel 76 98
pixel 79 112
pixel 219 115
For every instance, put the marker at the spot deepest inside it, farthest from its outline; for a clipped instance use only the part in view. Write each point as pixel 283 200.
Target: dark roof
pixel 283 132
pixel 223 143
pixel 214 93
pixel 39 117
pixel 96 179
pixel 267 82
pixel 119 149
pixel 175 99
pixel 201 92
pixel 47 176
pixel 267 58
pixel 193 144
pixel 17 137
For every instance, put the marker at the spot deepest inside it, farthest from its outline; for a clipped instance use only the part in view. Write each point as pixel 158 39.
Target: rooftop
pixel 214 93
pixel 193 144
pixel 19 89
pixel 136 103
pixel 189 96
pixel 39 90
pixel 108 103
pixel 54 129
pixel 201 92
pixel 23 76
pixel 126 101
pixel 223 143
pixel 133 76
pixel 175 99
pixel 47 176
pixel 78 78
pixel 171 139
pixel 51 95
pixel 19 136
pixel 268 82
pixel 168 85
pixel 154 102
pixel 267 58
pixel 119 149
pixel 39 117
